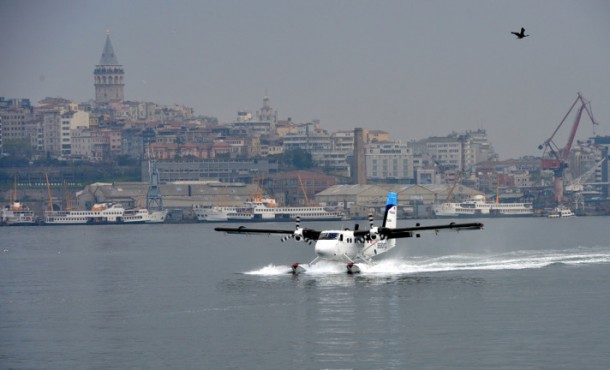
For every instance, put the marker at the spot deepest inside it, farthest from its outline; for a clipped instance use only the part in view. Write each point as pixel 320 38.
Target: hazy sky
pixel 412 68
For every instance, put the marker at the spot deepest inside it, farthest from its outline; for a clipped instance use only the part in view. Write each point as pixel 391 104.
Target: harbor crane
pixel 577 186
pixel 578 183
pixel 555 158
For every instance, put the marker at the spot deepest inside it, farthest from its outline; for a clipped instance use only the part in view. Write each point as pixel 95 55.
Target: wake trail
pixel 516 260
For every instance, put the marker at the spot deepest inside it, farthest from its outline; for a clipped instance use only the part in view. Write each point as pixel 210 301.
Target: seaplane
pixel 353 247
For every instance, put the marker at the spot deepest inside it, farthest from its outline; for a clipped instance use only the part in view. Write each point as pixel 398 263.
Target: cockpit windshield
pixel 328 236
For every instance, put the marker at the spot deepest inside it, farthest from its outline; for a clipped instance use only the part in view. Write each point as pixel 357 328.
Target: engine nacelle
pixel 373 233
pixel 298 235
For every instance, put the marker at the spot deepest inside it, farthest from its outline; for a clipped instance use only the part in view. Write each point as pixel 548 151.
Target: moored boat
pixel 100 213
pixel 143 216
pixel 477 206
pixel 561 212
pixel 265 209
pixel 17 214
pixel 104 213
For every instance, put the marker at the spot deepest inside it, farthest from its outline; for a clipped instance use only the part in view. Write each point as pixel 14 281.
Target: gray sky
pixel 412 68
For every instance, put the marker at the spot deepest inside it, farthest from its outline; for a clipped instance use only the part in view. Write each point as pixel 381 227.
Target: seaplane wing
pixel 352 246
pixel 409 232
pixel 309 234
pixel 245 230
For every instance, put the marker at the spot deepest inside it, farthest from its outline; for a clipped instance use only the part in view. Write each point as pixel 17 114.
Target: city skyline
pixel 411 69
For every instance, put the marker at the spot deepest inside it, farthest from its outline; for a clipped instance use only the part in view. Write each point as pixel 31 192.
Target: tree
pixel 18 148
pixel 297 158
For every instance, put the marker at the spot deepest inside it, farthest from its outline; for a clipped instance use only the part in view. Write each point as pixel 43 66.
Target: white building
pixel 71 121
pixel 389 162
pixel 310 138
pixel 90 144
pixel 446 151
pixel 51 128
pixel 458 151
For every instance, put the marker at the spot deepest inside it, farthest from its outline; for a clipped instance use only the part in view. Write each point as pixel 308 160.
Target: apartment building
pixel 389 162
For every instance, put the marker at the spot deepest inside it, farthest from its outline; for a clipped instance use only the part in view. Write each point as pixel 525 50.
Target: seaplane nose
pixel 326 248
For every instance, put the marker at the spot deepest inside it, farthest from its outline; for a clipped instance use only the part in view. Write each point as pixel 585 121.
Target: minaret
pixel 108 75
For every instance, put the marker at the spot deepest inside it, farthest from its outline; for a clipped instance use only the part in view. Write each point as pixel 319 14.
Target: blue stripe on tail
pixel 392 202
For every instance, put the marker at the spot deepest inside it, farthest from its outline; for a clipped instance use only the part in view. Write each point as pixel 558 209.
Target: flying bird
pixel 521 34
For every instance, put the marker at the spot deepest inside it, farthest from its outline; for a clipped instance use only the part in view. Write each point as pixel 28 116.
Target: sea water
pixel 526 293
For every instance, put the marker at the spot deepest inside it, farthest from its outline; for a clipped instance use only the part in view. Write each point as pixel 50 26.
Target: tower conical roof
pixel 108 58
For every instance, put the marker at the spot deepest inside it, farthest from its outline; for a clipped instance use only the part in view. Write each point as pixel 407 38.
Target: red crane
pixel 556 158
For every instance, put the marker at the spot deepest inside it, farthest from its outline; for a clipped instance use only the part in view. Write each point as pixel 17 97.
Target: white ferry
pixel 143 215
pixel 477 206
pixel 17 214
pixel 222 214
pixel 264 209
pixel 561 212
pixel 104 213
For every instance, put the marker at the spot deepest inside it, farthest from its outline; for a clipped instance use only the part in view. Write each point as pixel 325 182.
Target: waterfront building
pixel 90 144
pixel 477 148
pixel 310 137
pixel 457 151
pixel 446 152
pixel 224 170
pixel 71 121
pixel 14 122
pixel 51 128
pixel 264 124
pixel 389 162
pixel 298 188
pixel 603 145
pixel 375 136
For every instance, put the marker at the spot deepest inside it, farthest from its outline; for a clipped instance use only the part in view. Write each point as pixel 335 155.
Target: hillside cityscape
pixel 112 142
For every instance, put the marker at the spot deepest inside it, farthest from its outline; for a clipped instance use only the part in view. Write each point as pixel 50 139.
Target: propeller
pixel 373 230
pixel 298 233
pixel 372 233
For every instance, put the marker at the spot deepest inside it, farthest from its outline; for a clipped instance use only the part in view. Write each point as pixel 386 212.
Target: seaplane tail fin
pixel 390 217
pixel 376 244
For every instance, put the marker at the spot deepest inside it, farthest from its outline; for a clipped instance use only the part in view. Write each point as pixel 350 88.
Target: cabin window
pixel 341 237
pixel 328 236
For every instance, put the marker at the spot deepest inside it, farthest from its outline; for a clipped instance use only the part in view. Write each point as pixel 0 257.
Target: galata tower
pixel 109 76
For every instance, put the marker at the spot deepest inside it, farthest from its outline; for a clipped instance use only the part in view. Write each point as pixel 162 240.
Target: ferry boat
pixel 264 209
pixel 477 206
pixel 143 215
pixel 561 212
pixel 99 213
pixel 104 213
pixel 222 214
pixel 17 214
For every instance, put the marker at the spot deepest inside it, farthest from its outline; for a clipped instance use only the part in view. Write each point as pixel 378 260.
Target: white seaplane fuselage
pixel 342 245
